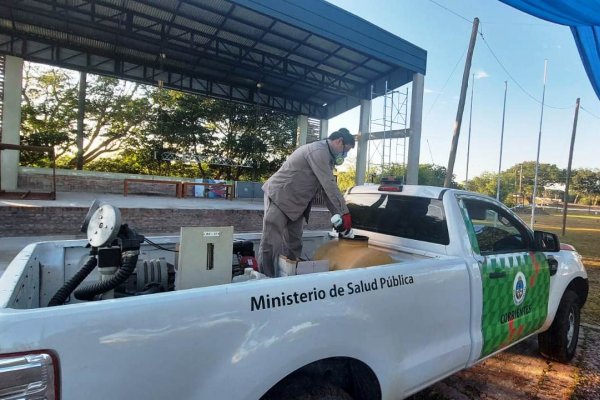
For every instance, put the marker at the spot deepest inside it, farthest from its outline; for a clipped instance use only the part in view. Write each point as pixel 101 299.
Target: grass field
pixel 583 232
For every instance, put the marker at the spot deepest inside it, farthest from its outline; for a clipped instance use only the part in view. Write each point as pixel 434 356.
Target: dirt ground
pixel 520 373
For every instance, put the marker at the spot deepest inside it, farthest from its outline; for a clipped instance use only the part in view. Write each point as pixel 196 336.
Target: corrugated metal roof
pixel 304 53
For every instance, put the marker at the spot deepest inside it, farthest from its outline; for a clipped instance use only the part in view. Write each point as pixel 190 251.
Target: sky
pixel 521 43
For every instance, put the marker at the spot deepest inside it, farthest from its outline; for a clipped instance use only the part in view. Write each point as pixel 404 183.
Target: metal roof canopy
pixel 309 56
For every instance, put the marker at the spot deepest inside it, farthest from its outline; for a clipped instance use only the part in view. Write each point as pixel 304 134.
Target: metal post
pixel 566 200
pixel 385 94
pixel 416 121
pixel 501 142
pixel 362 148
pixel 469 139
pixel 370 128
pixel 404 138
pixel 537 160
pixel 521 187
pixel 461 104
pixel 302 132
pixel 323 129
pixel 391 127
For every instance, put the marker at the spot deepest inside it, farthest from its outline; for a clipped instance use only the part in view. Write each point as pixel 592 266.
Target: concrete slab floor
pixel 84 199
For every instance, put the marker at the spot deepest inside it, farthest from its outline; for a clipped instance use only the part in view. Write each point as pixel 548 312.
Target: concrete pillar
pixel 11 122
pixel 302 131
pixel 416 118
pixel 324 129
pixel 362 146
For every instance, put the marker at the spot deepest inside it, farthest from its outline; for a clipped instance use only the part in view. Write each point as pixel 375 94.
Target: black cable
pixel 446 83
pixel 129 261
pixel 64 292
pixel 450 11
pixel 150 242
pixel 515 81
pixel 498 61
pixel 593 115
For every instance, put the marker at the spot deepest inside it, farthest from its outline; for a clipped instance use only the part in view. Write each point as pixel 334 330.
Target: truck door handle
pixel 497 274
pixel 552 265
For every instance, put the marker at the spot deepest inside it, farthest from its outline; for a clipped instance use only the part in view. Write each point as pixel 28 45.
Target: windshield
pixel 409 217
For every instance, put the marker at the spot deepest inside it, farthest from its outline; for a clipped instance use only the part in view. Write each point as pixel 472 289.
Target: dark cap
pixel 345 134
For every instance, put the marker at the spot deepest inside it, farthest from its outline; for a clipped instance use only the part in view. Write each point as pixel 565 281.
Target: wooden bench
pixel 229 189
pixel 127 181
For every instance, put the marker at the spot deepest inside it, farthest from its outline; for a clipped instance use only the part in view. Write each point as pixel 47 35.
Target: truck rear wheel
pixel 560 341
pixel 306 388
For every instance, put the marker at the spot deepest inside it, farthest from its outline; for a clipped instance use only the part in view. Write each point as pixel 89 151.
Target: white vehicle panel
pixel 569 268
pixel 189 344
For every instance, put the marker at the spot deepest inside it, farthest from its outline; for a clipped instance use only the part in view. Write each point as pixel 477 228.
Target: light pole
pixel 469 137
pixel 537 160
pixel 501 141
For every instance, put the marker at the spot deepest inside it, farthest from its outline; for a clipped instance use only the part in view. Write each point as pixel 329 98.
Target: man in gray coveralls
pixel 289 193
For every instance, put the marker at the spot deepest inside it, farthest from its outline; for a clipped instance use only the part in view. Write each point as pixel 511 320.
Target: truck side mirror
pixel 546 241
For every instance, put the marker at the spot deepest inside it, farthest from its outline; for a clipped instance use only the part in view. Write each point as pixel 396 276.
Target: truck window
pixel 495 229
pixel 409 217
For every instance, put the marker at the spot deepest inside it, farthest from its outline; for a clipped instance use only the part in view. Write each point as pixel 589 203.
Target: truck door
pixel 515 279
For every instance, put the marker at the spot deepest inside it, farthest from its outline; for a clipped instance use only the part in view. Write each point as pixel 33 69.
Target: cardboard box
pixel 289 267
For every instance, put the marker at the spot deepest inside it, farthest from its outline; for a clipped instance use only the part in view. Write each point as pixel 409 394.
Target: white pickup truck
pixel 462 278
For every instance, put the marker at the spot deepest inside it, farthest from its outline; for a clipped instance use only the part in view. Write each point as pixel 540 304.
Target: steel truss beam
pixel 138 71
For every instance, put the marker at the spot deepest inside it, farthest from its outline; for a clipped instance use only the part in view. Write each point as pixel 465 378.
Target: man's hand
pixel 346 222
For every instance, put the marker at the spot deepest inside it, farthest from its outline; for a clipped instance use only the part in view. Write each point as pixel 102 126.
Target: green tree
pixel 429 175
pixel 226 139
pixel 48 112
pixel 114 114
pixel 586 182
pixel 135 126
pixel 178 127
pixel 115 117
pixel 547 173
pixel 516 181
pixel 253 142
pixel 346 179
pixel 487 183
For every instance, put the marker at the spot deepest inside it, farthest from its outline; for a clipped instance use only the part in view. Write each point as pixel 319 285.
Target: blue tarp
pixel 583 16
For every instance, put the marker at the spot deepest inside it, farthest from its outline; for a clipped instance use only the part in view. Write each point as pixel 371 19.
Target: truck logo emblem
pixel 519 288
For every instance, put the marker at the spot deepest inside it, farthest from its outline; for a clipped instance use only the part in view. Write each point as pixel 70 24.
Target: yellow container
pixel 346 253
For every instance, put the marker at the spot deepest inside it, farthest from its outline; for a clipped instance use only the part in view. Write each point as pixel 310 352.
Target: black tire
pixel 306 388
pixel 560 341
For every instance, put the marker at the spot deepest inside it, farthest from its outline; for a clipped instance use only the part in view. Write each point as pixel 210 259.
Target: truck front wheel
pixel 560 341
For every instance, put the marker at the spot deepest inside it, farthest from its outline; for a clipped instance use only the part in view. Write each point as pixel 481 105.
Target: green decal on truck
pixel 515 298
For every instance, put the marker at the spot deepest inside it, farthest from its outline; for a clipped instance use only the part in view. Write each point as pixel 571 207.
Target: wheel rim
pixel 571 330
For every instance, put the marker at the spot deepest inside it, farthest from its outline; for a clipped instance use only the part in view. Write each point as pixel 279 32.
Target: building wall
pixel 40 180
pixel 39 221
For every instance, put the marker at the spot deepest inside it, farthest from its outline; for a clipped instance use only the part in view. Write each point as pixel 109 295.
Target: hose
pixel 153 288
pixel 64 292
pixel 128 263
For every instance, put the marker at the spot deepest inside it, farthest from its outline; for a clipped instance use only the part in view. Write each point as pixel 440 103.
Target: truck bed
pixel 40 269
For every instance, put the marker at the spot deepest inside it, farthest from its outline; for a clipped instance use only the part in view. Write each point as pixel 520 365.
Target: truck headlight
pixel 28 376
